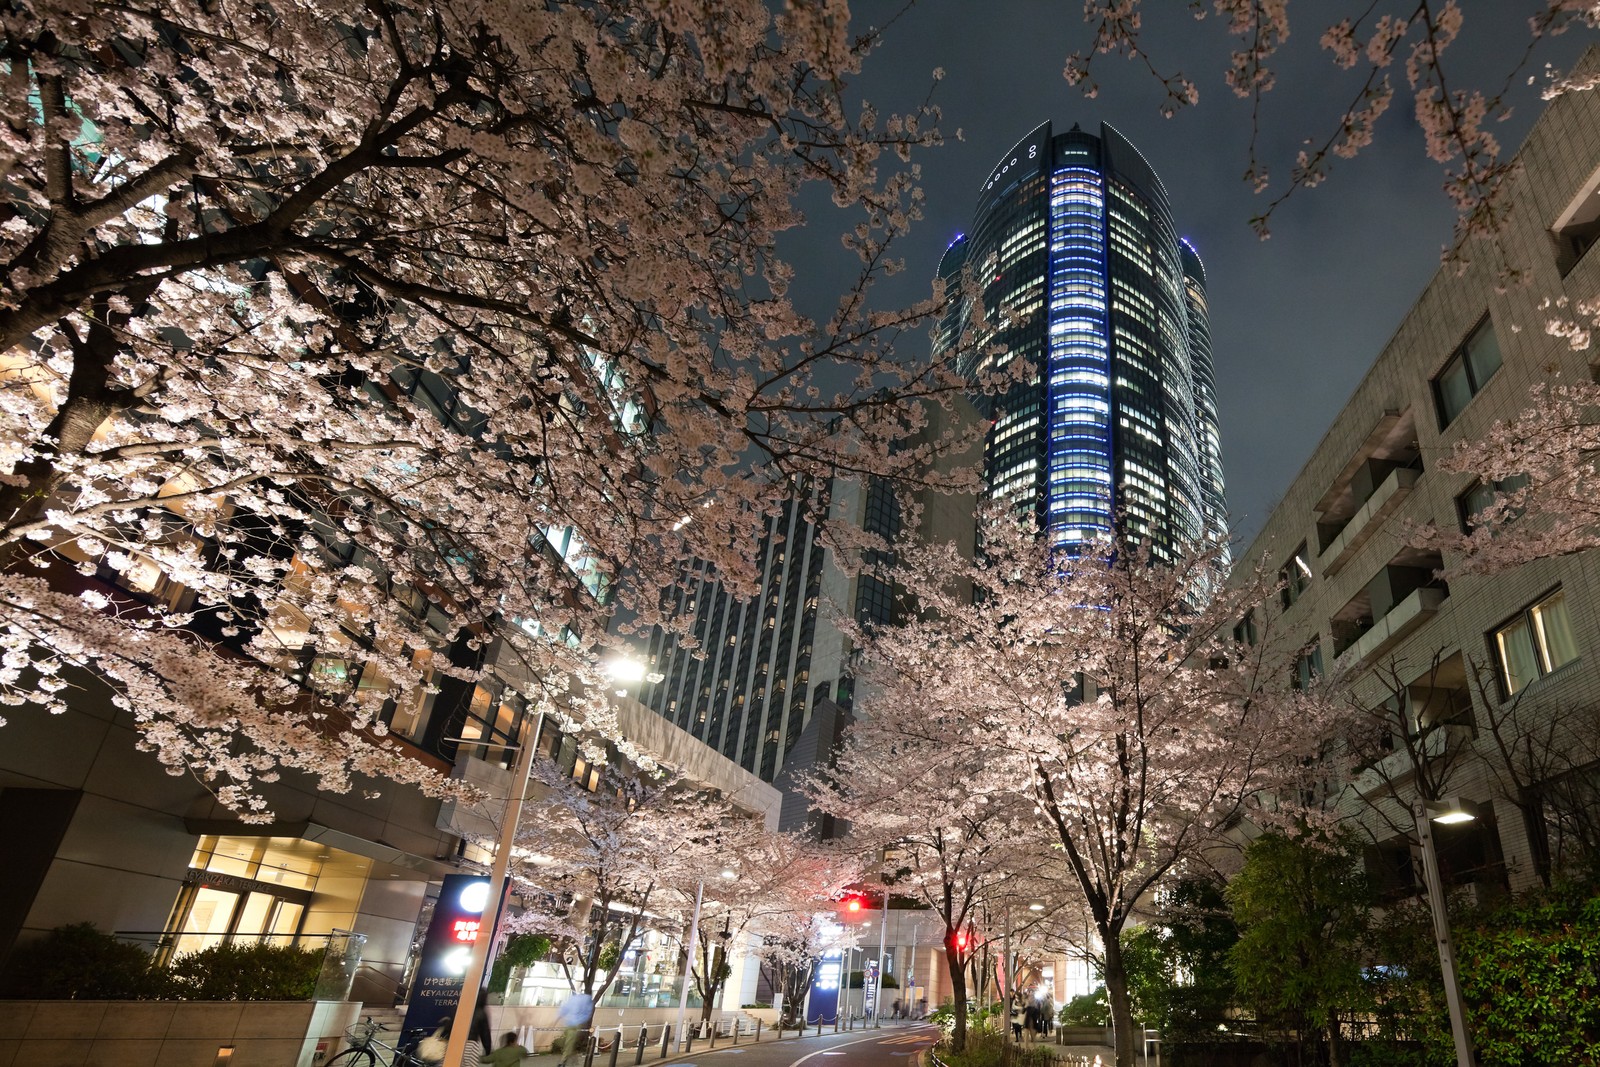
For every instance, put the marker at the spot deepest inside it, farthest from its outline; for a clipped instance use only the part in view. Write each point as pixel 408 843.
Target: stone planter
pixel 170 1033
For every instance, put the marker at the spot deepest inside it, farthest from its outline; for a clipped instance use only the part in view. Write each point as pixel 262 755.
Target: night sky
pixel 1296 320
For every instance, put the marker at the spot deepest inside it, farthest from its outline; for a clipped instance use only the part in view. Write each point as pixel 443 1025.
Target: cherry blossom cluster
pixel 1098 708
pixel 378 344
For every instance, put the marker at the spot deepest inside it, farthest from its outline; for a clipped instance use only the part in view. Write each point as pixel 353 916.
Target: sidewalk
pixel 627 1054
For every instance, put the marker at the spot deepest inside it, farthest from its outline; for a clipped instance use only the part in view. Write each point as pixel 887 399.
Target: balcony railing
pixel 1369 519
pixel 1388 631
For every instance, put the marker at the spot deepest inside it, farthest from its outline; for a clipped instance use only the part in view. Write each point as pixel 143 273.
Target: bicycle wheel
pixel 353 1057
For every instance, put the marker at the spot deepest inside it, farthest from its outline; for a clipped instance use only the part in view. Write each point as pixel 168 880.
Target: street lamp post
pixel 1441 920
pixel 472 981
pixel 688 960
pixel 877 984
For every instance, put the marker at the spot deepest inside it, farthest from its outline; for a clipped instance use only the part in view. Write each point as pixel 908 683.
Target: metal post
pixel 478 963
pixel 591 1041
pixel 1011 977
pixel 758 1032
pixel 688 963
pixel 616 1046
pixel 1441 934
pixel 877 986
pixel 638 1055
pixel 666 1036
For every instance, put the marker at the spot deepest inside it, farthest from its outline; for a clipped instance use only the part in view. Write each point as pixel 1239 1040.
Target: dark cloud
pixel 1296 320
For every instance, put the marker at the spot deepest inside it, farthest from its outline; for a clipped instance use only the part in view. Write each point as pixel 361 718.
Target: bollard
pixel 713 1035
pixel 666 1035
pixel 688 1041
pixel 588 1051
pixel 758 1032
pixel 638 1055
pixel 734 1031
pixel 616 1046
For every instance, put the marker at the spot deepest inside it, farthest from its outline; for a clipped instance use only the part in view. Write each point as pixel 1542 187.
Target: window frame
pixel 1543 660
pixel 1461 355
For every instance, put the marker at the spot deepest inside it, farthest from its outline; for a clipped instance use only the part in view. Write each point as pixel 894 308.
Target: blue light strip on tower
pixel 1078 492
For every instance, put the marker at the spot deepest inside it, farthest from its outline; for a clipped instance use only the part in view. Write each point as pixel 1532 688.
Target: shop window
pixel 1534 643
pixel 1469 369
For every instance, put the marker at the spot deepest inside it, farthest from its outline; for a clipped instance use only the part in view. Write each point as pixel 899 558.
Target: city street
pixel 892 1046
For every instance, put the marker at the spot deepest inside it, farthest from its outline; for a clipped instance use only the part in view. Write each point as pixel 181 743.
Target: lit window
pixel 1536 642
pixel 1295 576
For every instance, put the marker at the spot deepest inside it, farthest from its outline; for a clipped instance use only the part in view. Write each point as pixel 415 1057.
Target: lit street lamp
pixel 1426 813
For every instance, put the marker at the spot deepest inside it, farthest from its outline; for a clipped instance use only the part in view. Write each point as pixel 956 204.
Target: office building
pixel 1080 269
pixel 766 680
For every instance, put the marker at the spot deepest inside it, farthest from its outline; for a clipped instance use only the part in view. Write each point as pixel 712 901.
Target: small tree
pixel 594 866
pixel 1302 905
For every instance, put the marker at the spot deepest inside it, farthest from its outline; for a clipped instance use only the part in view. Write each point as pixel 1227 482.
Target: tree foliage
pixel 1302 905
pixel 1103 697
pixel 384 330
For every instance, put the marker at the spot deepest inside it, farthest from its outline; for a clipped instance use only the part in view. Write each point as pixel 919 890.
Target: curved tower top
pixel 1082 272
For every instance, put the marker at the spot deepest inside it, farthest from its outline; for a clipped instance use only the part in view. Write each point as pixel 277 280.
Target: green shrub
pixel 1087 1009
pixel 79 962
pixel 991 1049
pixel 522 950
pixel 245 972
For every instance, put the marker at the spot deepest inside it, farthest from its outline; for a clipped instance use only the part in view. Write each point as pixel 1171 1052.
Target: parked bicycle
pixel 367 1050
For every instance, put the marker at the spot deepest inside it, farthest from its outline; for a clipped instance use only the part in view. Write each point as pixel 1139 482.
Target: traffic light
pixel 853 904
pixel 961 940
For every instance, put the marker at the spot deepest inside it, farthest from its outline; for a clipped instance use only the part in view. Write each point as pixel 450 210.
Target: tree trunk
pixel 1117 994
pixel 958 989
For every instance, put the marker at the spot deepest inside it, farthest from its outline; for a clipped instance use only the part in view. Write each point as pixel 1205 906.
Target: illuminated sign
pixel 1030 154
pixel 458 918
pixel 827 975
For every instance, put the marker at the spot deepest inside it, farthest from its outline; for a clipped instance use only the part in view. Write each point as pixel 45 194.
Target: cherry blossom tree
pixel 401 333
pixel 594 867
pixel 1108 690
pixel 778 883
pixel 1372 41
pixel 1544 487
pixel 955 832
pixel 791 945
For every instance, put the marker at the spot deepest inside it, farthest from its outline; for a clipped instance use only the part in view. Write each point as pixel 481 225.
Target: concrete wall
pixel 98 1033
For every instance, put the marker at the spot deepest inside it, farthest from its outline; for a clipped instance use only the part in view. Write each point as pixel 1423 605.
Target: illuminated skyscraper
pixel 1082 272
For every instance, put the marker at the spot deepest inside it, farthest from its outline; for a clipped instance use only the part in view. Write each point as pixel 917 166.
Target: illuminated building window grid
pixel 1079 388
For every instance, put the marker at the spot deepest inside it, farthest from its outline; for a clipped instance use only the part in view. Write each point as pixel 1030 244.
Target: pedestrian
pixel 509 1054
pixel 1030 1018
pixel 1016 1022
pixel 574 1015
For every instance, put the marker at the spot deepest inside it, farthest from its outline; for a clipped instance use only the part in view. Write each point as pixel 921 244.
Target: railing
pixel 158 939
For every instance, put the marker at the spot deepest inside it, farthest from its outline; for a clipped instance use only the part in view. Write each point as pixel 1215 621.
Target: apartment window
pixel 1471 504
pixel 1295 576
pixel 1468 371
pixel 1534 643
pixel 1245 632
pixel 1308 667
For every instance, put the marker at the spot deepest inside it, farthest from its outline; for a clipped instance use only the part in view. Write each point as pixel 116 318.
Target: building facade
pixel 765 680
pixel 1079 269
pixel 1479 689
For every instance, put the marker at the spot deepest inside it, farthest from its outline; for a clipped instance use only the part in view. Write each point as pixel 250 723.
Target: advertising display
pixel 827 975
pixel 458 919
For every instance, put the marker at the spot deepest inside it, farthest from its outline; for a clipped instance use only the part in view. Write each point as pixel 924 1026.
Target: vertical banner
pixel 458 919
pixel 827 975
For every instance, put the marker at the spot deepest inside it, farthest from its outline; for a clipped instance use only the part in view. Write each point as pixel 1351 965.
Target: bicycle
pixel 365 1048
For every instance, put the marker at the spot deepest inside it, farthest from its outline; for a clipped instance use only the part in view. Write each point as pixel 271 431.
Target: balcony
pixel 1416 609
pixel 1369 519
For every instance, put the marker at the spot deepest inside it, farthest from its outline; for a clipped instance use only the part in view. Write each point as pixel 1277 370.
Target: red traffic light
pixel 961 939
pixel 853 904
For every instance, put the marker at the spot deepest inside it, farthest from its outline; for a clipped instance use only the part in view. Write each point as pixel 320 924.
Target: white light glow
pixel 474 898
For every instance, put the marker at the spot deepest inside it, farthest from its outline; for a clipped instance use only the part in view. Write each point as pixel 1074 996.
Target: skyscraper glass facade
pixel 1079 268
